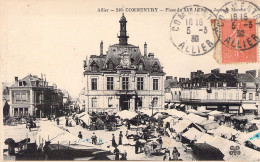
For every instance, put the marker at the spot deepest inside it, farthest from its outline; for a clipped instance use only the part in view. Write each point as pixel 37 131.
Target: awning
pixel 192 134
pixel 182 125
pixel 177 104
pixel 249 107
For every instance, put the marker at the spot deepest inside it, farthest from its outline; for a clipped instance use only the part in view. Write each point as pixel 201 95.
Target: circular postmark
pixel 237 25
pixel 191 30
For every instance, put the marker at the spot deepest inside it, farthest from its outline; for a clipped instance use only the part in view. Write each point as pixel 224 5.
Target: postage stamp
pixel 191 31
pixel 237 31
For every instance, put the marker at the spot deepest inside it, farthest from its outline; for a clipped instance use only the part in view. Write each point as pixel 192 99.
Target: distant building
pixel 123 78
pixel 231 92
pixel 32 96
pixel 6 98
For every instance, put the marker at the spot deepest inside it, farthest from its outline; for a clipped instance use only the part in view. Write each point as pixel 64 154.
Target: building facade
pixel 123 78
pixel 230 92
pixel 31 96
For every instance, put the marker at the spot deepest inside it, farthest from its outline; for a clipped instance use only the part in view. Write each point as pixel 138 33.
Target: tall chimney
pixel 145 49
pixel 101 48
pixel 16 79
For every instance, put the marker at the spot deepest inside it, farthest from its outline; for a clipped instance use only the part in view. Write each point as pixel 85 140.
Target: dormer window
pixel 94 67
pixel 141 66
pixel 20 83
pixel 156 67
pixel 110 66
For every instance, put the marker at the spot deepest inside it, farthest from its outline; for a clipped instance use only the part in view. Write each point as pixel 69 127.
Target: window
pixel 140 83
pixel 125 83
pixel 94 67
pixel 141 66
pixel 109 102
pixel 24 98
pixel 155 101
pixel 94 102
pixel 156 67
pixel 94 83
pixel 256 96
pixel 20 83
pixel 21 111
pixel 18 97
pixel 237 96
pixel 139 101
pixel 250 96
pixel 155 84
pixel 110 66
pixel 244 96
pixel 110 83
pixel 15 111
pixel 224 95
pixel 230 96
pixel 25 111
pixel 216 95
pixel 208 96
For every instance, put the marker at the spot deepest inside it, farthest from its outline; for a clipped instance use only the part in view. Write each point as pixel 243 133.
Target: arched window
pixel 156 67
pixel 94 102
pixel 109 101
pixel 155 101
pixel 110 65
pixel 94 66
pixel 141 66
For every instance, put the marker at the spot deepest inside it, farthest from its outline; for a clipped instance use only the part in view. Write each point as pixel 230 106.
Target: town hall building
pixel 123 78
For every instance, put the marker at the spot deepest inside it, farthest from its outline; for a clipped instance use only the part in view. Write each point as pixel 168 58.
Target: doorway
pixel 124 102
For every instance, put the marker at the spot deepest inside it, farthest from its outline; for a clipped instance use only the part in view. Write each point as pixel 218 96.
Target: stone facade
pixel 123 78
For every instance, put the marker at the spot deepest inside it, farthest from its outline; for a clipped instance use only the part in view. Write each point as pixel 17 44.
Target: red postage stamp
pixel 239 40
pixel 236 31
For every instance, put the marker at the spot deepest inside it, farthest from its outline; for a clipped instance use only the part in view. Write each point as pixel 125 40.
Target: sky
pixel 54 37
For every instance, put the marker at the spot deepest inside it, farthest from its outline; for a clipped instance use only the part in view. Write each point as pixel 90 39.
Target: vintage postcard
pixel 130 80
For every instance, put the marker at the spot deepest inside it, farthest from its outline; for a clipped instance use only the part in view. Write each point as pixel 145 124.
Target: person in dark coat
pixel 80 135
pixel 120 138
pixel 94 139
pixel 113 141
pixel 160 140
pixel 67 122
pixel 123 156
pixel 58 121
pixel 175 154
pixel 137 145
pixel 128 125
pixel 116 153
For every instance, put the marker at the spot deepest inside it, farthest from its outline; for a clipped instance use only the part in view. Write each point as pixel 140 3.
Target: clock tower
pixel 123 36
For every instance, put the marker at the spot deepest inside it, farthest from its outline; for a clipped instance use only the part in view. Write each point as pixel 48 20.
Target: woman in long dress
pixel 113 141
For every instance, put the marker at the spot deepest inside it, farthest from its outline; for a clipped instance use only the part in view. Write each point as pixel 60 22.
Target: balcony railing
pixel 209 100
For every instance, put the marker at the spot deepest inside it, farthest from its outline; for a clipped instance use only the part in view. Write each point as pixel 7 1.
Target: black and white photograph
pixel 130 80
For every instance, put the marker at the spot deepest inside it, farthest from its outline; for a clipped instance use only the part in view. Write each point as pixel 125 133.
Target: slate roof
pixel 245 78
pixel 113 55
pixel 28 81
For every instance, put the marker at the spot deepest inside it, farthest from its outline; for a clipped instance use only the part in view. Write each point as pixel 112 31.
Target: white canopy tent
pixel 193 134
pixel 175 112
pixel 195 118
pixel 125 114
pixel 182 125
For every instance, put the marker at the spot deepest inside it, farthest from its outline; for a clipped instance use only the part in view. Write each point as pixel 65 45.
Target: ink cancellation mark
pixel 191 30
pixel 237 30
